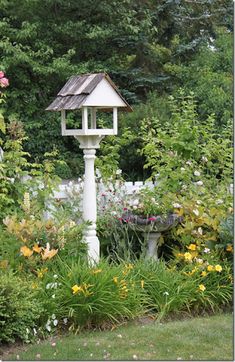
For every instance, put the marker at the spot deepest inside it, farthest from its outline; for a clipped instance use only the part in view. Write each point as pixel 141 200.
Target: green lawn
pixel 205 338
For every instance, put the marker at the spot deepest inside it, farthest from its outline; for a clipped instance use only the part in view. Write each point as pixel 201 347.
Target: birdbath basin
pixel 151 228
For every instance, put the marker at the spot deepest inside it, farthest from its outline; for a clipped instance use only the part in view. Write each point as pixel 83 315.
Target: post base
pixel 93 248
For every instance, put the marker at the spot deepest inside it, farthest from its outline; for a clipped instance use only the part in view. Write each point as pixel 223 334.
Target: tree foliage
pixel 143 45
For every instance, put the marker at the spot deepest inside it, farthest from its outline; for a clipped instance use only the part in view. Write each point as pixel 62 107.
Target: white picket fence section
pixel 66 188
pixel 129 188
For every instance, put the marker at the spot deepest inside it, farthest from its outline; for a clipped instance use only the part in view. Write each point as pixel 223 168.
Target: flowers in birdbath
pixel 148 208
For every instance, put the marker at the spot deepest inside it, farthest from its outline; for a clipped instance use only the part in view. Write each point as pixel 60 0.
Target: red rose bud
pixel 2 74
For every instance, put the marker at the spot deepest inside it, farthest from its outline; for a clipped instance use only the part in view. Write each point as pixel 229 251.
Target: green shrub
pixel 20 309
pixel 226 230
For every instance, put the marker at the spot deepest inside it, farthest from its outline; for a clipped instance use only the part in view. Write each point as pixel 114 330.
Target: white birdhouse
pixel 91 93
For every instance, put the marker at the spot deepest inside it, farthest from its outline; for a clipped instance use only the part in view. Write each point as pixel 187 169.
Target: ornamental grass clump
pixel 93 296
pixel 167 290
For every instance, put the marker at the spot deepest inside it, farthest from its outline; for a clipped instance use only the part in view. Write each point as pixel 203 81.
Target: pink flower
pixel 2 74
pixel 125 208
pixel 4 82
pixel 152 218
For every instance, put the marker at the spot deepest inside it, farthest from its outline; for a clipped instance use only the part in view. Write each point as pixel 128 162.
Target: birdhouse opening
pixel 89 121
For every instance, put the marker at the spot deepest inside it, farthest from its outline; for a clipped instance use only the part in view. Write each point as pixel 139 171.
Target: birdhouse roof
pixel 78 90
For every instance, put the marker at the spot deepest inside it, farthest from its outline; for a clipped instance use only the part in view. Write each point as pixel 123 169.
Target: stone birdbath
pixel 151 228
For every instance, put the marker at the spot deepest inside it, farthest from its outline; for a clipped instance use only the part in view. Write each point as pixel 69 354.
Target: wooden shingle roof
pixel 75 92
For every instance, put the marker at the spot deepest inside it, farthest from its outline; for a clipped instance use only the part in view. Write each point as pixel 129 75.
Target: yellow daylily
pixel 229 248
pixel 218 268
pixel 41 272
pixel 96 271
pixel 188 256
pixel 210 268
pixel 192 247
pixel 202 287
pixel 76 289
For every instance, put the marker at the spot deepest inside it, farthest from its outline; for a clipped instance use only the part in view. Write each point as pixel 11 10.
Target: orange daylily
pixel 47 253
pixel 37 248
pixel 26 251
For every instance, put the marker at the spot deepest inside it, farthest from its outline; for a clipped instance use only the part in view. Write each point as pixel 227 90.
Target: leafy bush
pixel 20 309
pixel 226 230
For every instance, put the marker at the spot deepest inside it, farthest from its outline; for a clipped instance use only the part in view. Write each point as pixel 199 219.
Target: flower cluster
pixel 82 289
pixel 4 82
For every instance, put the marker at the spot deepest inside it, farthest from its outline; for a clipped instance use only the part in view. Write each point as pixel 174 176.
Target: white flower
pixel 48 327
pixel 34 331
pixel 27 330
pixel 196 212
pixel 53 316
pixel 135 357
pixel 199 183
pixel 184 187
pixel 199 230
pixel 176 205
pixel 188 163
pixel 165 293
pixel 65 320
pixel 135 207
pixel 197 173
pixel 98 173
pixel 206 250
pixel 55 276
pixel 135 202
pixel 113 213
pixel 199 261
pixel 55 322
pixel 118 172
pixel 219 202
pixel 53 296
pixel 198 202
pixel 204 159
pixel 182 169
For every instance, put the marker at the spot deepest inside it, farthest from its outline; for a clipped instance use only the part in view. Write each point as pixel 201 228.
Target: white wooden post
pixel 63 122
pixel 89 205
pixel 115 121
pixel 93 118
pixel 85 119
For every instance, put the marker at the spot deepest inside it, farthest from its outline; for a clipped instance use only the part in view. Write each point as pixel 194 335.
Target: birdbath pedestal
pixel 151 228
pixel 152 244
